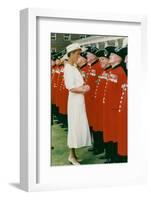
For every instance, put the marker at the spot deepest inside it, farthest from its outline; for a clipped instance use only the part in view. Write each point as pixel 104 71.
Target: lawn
pixel 59 155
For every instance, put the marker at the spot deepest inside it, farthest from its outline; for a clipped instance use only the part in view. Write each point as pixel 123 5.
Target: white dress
pixel 78 128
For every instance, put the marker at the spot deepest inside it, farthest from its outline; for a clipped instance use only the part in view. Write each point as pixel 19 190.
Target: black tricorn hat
pixel 63 52
pixel 102 53
pixel 92 49
pixel 110 49
pixel 122 52
pixel 53 56
pixel 60 54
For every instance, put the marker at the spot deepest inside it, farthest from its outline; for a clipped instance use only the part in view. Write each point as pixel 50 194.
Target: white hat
pixel 73 47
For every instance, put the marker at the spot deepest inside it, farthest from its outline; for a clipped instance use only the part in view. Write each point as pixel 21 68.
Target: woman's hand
pixel 82 89
pixel 86 88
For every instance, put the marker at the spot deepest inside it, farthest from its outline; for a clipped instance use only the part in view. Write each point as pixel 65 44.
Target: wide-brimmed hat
pixel 73 47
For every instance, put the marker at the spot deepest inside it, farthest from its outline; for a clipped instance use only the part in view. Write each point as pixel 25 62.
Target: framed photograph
pixel 82 77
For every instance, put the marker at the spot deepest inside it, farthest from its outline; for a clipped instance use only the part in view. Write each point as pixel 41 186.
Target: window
pixel 84 36
pixel 67 37
pixel 111 43
pixel 120 42
pixel 53 36
pixel 102 45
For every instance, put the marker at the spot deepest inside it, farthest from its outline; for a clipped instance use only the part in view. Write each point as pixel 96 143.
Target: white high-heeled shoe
pixel 73 161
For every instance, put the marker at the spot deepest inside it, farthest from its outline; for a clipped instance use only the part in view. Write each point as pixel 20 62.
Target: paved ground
pixel 59 155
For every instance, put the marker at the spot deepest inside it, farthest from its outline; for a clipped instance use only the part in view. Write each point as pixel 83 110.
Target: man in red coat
pixel 90 68
pixel 94 69
pixel 97 120
pixel 55 86
pixel 53 76
pixel 63 95
pixel 122 118
pixel 60 91
pixel 122 125
pixel 112 92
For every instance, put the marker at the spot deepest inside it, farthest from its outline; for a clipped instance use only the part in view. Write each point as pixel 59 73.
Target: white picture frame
pixel 28 89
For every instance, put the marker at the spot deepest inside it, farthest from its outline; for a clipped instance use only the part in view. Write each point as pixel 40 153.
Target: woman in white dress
pixel 78 128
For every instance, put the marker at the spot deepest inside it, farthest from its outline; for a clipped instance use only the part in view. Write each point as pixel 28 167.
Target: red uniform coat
pixel 92 74
pixel 84 71
pixel 97 120
pixel 63 99
pixel 122 122
pixel 111 96
pixel 59 79
pixel 55 74
pixel 51 83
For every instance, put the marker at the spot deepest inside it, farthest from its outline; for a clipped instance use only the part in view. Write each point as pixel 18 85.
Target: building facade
pixel 59 41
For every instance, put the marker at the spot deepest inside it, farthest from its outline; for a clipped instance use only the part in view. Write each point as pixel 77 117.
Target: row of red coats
pixel 106 102
pixel 59 94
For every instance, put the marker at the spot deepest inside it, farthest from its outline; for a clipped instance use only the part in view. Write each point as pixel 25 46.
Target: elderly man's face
pixel 58 62
pixel 91 57
pixel 104 62
pixel 114 58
